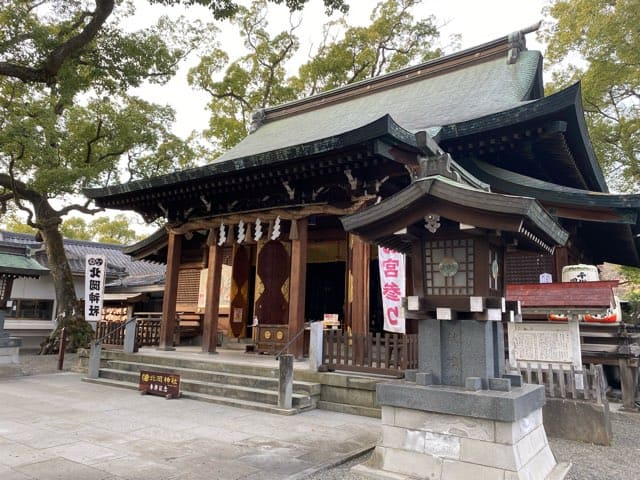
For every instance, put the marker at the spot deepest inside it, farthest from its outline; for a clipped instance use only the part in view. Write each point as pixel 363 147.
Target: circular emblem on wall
pixel 448 266
pixel 267 334
pixel 279 335
pixel 494 268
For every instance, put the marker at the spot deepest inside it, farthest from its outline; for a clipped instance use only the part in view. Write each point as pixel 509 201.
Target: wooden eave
pixel 545 138
pixel 287 177
pixel 523 217
pixel 562 201
pixel 607 223
pixel 149 247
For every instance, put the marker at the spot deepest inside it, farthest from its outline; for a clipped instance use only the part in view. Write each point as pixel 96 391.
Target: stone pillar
pixel 285 382
pixel 298 283
pixel 212 306
pixel 168 322
pixel 9 346
pixel 461 418
pixel 315 346
pixel 130 330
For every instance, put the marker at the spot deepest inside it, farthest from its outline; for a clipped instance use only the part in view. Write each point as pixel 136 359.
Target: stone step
pixel 231 402
pixel 350 409
pixel 300 401
pixel 176 362
pixel 211 376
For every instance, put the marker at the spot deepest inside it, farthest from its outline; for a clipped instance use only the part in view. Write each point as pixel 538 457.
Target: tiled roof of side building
pixel 119 263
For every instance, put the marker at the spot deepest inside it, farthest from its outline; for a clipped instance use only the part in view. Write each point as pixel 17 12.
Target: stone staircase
pixel 234 384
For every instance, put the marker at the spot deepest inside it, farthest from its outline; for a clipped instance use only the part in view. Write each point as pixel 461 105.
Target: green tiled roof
pixel 442 99
pixel 20 266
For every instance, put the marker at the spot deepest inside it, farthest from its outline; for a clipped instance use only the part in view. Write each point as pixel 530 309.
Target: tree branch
pixel 57 57
pixel 80 208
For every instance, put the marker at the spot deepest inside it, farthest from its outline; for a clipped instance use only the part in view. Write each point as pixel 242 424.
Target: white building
pixel 33 301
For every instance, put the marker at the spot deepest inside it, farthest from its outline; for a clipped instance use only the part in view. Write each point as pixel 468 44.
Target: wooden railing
pixel 561 382
pixel 388 354
pixel 147 331
pixel 111 333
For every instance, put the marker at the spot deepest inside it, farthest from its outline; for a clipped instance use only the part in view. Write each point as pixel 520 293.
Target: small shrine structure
pixel 14 263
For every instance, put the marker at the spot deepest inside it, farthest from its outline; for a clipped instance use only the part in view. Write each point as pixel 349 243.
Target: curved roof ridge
pixel 508 45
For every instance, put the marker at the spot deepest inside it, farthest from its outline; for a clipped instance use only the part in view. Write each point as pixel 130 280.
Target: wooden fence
pixel 566 382
pixel 147 333
pixel 111 333
pixel 388 354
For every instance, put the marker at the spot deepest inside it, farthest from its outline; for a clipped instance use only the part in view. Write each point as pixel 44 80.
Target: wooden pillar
pixel 298 284
pixel 561 260
pixel 359 288
pixel 168 322
pixel 628 384
pixel 212 305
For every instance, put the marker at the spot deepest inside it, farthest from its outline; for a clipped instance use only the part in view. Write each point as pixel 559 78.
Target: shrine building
pixel 465 147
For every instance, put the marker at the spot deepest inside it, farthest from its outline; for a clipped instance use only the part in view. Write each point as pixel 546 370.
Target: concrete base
pixel 10 350
pixel 578 420
pixel 425 445
pixel 499 436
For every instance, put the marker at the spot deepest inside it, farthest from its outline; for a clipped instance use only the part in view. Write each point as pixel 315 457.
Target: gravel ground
pixel 589 462
pixel 32 364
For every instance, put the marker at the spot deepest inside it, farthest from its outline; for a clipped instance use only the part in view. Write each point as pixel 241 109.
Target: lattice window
pixel 188 286
pixel 449 267
pixel 526 268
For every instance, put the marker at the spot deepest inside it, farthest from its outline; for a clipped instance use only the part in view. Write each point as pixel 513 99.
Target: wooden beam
pixel 359 288
pixel 298 286
pixel 212 306
pixel 168 322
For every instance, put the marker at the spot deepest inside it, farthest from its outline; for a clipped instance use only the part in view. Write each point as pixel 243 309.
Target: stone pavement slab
pixel 54 426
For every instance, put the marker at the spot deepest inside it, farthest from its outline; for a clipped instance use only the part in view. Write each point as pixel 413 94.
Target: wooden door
pixel 239 304
pixel 272 284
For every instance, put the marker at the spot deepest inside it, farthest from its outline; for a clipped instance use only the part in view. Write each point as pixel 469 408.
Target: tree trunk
pixel 68 312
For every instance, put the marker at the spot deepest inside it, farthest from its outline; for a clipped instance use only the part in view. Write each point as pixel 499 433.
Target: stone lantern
pixel 460 416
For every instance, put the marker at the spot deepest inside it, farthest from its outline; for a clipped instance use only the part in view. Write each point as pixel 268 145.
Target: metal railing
pixel 291 340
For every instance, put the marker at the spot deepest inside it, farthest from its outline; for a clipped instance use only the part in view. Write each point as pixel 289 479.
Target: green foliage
pixel 11 222
pixel 75 228
pixel 116 230
pixel 228 8
pixel 393 40
pixel 73 126
pixel 598 42
pixel 254 81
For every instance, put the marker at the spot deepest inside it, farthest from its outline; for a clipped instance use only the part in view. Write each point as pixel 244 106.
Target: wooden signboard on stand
pixel 159 383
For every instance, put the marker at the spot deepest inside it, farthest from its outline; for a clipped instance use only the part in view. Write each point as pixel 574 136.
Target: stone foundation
pixel 438 446
pixel 9 350
pixel 498 439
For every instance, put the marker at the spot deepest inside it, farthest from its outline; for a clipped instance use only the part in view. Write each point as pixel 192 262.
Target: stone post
pixel 285 382
pixel 315 346
pixel 130 330
pixel 94 360
pixel 9 346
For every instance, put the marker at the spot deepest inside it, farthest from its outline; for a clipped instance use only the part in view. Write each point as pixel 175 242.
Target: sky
pixel 476 21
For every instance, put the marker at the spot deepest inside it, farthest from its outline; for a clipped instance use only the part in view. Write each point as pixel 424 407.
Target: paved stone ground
pixel 57 427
